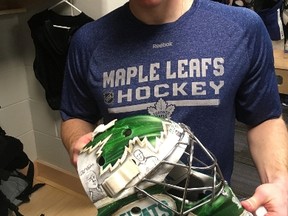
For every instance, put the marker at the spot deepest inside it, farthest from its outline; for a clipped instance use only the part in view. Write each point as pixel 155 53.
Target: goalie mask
pixel 144 165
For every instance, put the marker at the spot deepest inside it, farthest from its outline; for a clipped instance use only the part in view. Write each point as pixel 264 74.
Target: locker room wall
pixel 24 112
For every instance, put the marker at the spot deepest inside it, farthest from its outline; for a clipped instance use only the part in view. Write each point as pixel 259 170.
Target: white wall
pixel 96 9
pixel 15 114
pixel 24 112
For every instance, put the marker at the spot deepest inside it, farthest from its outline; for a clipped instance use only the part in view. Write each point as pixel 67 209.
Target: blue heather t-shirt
pixel 213 64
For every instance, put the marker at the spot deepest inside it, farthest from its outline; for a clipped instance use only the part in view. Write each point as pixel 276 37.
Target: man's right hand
pixel 75 134
pixel 76 147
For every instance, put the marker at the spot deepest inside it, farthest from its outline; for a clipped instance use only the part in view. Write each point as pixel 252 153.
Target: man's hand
pixel 272 196
pixel 75 134
pixel 268 144
pixel 76 147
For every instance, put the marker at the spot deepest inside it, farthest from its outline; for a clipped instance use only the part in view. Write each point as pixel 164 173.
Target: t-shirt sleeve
pixel 77 99
pixel 257 98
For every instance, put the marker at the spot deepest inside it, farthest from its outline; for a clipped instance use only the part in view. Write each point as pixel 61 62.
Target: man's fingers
pixel 251 204
pixel 261 211
pixel 76 148
pixel 258 199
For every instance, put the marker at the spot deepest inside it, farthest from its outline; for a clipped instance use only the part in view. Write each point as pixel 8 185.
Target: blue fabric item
pixel 213 64
pixel 285 25
pixel 272 20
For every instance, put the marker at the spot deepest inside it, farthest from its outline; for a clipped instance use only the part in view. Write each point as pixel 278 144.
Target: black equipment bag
pixel 15 187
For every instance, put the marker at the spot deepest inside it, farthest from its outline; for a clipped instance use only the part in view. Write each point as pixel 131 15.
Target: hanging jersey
pixel 51 35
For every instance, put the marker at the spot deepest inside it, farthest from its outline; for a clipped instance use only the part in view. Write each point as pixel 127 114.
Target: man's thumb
pixel 251 204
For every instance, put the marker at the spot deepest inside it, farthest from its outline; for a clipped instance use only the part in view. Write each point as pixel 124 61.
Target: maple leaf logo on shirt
pixel 161 109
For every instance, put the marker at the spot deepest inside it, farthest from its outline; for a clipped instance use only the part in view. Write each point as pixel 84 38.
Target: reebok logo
pixel 162 45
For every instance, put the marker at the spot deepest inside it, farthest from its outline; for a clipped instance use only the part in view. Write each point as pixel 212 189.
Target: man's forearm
pixel 269 148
